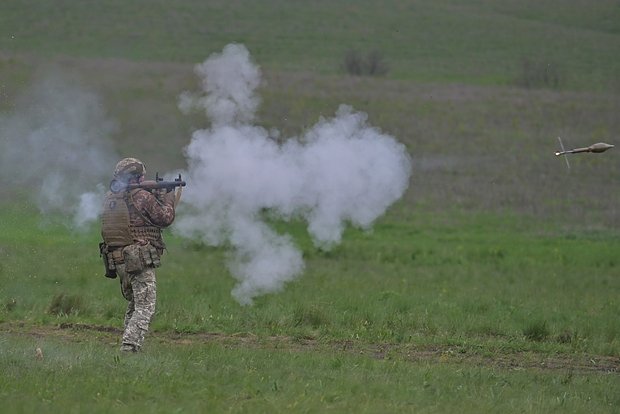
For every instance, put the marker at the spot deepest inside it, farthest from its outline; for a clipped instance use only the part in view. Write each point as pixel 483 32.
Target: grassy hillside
pixel 491 286
pixel 481 42
pixel 474 148
pixel 478 139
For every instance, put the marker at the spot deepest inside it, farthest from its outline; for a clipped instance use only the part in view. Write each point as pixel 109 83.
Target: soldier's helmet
pixel 128 167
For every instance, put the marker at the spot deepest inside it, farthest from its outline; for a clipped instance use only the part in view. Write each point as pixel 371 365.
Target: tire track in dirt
pixel 576 363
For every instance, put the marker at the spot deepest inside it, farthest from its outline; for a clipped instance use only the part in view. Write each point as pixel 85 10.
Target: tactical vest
pixel 117 228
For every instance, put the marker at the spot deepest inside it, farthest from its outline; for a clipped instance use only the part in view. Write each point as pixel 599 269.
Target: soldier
pixel 132 223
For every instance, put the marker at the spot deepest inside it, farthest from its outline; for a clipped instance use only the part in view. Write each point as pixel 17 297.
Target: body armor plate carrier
pixel 115 221
pixel 116 224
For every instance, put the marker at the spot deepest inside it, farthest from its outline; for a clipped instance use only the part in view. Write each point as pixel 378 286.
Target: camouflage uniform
pixel 140 288
pixel 141 291
pixel 148 214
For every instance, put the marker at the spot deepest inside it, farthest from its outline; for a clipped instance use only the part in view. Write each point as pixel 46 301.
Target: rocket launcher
pixel 116 186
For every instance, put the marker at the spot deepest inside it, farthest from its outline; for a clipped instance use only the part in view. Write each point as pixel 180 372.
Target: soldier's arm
pixel 159 210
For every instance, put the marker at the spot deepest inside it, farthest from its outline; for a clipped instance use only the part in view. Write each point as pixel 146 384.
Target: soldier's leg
pixel 126 290
pixel 129 312
pixel 144 290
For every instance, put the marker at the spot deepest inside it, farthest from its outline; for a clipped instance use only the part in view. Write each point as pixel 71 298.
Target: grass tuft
pixel 66 305
pixel 356 64
pixel 536 331
pixel 311 316
pixel 10 305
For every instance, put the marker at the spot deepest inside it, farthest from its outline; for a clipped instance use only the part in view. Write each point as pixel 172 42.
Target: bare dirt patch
pixel 578 363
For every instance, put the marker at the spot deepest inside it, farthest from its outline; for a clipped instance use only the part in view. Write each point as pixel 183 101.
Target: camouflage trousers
pixel 140 290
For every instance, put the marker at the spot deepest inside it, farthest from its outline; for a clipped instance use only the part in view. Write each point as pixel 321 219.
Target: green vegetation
pixel 217 377
pixel 491 287
pixel 478 41
pixel 477 282
pixel 473 291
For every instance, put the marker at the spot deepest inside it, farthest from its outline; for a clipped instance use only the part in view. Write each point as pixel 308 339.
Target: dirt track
pixel 579 363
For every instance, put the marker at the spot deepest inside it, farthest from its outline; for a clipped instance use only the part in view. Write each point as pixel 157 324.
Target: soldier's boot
pixel 128 348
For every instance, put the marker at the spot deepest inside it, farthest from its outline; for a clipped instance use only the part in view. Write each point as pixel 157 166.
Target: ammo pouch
pixel 138 257
pixel 108 261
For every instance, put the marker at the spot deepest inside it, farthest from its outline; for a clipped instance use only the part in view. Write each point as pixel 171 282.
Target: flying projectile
pixel 596 148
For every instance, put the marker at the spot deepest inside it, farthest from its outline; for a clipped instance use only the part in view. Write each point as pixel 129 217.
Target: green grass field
pixel 492 286
pixel 477 41
pixel 480 312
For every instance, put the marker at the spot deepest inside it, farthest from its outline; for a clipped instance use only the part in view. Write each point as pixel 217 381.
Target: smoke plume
pixel 340 171
pixel 55 143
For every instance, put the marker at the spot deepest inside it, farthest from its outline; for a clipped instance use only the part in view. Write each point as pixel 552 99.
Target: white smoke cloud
pixel 89 207
pixel 341 171
pixel 229 85
pixel 55 140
